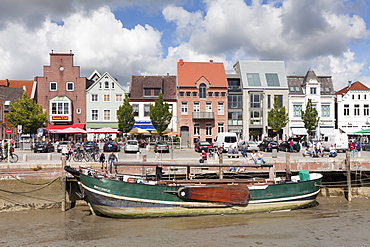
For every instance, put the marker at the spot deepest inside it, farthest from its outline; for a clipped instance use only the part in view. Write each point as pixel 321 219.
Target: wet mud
pixel 334 222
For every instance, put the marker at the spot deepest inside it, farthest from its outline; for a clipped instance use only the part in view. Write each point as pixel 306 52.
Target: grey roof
pixel 296 83
pixel 11 93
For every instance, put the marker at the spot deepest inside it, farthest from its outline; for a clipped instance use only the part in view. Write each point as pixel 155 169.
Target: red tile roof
pixel 190 72
pixel 354 86
pixel 19 84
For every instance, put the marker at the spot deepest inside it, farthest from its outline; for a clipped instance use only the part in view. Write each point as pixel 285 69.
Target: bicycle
pixel 13 158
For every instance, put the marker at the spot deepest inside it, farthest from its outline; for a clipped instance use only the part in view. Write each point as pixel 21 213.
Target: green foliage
pixel 277 117
pixel 27 113
pixel 160 116
pixel 126 119
pixel 310 117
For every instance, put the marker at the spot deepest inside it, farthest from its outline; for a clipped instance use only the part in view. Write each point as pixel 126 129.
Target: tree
pixel 126 119
pixel 160 116
pixel 310 117
pixel 27 113
pixel 277 117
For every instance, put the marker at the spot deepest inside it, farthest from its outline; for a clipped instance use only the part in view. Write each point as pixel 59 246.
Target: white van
pixel 225 139
pixel 340 140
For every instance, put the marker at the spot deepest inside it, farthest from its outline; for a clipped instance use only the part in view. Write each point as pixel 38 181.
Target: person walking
pixel 291 146
pixel 352 148
pixel 203 156
pixel 102 162
pixel 111 158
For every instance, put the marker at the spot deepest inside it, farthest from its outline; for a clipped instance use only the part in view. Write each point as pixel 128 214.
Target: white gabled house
pixel 320 90
pixel 103 98
pixel 353 108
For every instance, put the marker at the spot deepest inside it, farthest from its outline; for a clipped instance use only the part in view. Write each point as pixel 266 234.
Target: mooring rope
pixel 39 188
pixel 23 181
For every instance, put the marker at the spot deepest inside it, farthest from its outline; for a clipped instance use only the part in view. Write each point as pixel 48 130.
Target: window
pixel 170 108
pixel 70 86
pixel 297 110
pixel 195 94
pixel 106 97
pixel 364 96
pixel 187 94
pixel 223 94
pixel 353 96
pixel 235 118
pixel 147 92
pixel 106 84
pixel 220 127
pixel 220 108
pixel 312 90
pixel 208 106
pixel 182 94
pixel 208 129
pixel 234 85
pixel 280 100
pixel 269 101
pixel 106 115
pixel 94 98
pixel 346 110
pixel 272 79
pixel 184 108
pixel 196 129
pixel 146 110
pixel 210 94
pixel 234 101
pixel 135 109
pixel 196 107
pixel 359 96
pixel 157 91
pixel 53 86
pixel 99 85
pixel 291 89
pixel 255 117
pixel 60 108
pixel 256 100
pixel 253 79
pixel 217 94
pixel 112 84
pixel 366 110
pixel 202 91
pixel 356 111
pixel 94 115
pixel 325 110
pixel 119 97
pixel 78 111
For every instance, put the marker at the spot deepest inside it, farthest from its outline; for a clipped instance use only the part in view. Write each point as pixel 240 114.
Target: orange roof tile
pixel 190 72
pixel 354 86
pixel 19 84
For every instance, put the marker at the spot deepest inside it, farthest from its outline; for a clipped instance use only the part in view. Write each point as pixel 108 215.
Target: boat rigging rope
pixel 39 188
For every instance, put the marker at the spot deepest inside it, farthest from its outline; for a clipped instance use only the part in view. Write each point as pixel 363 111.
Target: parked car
pixel 202 145
pixel 43 147
pixel 365 146
pixel 284 146
pixel 131 146
pixel 161 147
pixel 61 145
pixel 268 146
pixel 249 145
pixel 90 145
pixel 111 146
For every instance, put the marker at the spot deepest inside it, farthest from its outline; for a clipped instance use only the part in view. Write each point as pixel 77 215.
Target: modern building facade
pixel 261 82
pixel 320 90
pixel 202 97
pixel 353 108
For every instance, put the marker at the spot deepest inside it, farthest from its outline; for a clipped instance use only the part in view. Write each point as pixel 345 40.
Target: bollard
pixel 64 184
pixel 157 156
pixel 138 155
pixel 144 157
pixel 274 153
pixel 49 156
pixel 24 157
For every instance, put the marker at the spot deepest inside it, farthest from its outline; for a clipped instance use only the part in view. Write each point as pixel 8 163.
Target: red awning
pixel 64 126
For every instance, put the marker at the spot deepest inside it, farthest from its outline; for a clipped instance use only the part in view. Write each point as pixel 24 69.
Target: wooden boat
pixel 127 195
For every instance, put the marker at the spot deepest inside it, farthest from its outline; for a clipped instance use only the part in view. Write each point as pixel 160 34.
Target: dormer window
pixel 202 91
pixel 313 90
pixel 106 84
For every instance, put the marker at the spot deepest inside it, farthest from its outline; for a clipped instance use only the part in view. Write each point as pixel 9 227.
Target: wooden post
pixel 348 169
pixel 187 172
pixel 221 161
pixel 272 173
pixel 64 184
pixel 288 167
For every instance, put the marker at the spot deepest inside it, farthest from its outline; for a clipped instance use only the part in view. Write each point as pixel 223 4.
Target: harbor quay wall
pixel 37 185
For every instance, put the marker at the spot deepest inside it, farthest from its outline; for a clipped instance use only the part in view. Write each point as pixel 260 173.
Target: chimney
pixel 211 61
pixel 349 83
pixel 181 62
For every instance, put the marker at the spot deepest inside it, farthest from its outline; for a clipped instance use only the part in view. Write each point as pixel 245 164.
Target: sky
pixel 148 37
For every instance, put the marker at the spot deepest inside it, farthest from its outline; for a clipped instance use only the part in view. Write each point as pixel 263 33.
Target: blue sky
pixel 133 37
